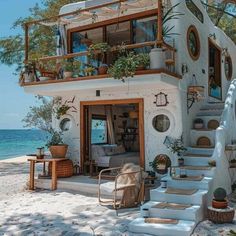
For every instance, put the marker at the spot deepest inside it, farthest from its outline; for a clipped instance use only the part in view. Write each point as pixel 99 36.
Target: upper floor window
pixel 193 42
pixel 195 10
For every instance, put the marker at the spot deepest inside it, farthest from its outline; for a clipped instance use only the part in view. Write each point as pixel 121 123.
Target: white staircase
pixel 196 165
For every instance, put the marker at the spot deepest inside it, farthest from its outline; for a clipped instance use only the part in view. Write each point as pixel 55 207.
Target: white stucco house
pixel 188 80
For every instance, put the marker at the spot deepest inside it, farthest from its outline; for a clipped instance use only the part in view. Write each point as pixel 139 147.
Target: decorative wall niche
pixel 65 124
pixel 161 100
pixel 193 42
pixel 195 10
pixel 161 163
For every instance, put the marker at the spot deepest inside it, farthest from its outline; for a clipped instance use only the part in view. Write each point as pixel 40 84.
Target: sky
pixel 14 103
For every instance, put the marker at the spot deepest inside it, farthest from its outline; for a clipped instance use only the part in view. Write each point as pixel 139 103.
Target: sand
pixel 24 212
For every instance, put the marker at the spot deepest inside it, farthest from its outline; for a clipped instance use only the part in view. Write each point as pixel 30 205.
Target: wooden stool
pixel 220 216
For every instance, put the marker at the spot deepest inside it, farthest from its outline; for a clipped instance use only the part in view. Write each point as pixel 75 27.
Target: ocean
pixel 14 143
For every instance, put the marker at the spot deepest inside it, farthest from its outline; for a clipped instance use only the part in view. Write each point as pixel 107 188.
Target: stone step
pixel 212 112
pixel 184 183
pixel 200 150
pixel 182 228
pixel 198 170
pixel 160 195
pixel 194 212
pixel 213 105
pixel 196 160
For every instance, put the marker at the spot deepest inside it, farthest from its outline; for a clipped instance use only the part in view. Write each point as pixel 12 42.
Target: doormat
pixel 173 206
pixel 181 191
pixel 160 221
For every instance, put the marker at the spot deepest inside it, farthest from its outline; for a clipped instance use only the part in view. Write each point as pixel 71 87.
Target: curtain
pixel 110 127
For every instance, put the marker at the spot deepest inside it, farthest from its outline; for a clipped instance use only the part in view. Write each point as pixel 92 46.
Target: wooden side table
pixel 220 216
pixel 54 172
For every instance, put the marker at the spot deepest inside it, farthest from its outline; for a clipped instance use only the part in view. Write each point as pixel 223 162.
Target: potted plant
pixel 67 69
pixel 198 123
pixel 55 144
pixel 233 163
pixel 124 66
pixel 89 70
pixel 97 51
pixel 143 61
pixel 219 200
pixel 157 53
pixel 76 68
pixel 28 73
pixel 176 146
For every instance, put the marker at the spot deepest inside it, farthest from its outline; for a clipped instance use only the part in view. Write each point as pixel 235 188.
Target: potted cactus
pixel 219 200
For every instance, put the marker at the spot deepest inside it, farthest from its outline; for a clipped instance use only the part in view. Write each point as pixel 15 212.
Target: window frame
pixel 104 25
pixel 193 29
pixel 187 2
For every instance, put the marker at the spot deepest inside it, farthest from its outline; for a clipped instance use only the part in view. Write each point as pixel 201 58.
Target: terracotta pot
pixel 67 74
pixel 58 151
pixel 102 70
pixel 219 205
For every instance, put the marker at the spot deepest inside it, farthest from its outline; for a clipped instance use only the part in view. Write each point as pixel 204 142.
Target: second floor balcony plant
pixel 97 52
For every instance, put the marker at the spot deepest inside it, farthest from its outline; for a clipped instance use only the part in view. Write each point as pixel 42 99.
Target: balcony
pixel 121 29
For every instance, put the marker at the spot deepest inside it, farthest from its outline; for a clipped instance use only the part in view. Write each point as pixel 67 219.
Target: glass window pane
pixel 99 131
pixel 144 30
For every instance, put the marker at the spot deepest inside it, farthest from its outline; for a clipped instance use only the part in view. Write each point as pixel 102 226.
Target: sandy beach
pixel 45 212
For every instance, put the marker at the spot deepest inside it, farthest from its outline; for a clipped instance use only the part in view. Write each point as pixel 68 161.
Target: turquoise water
pixel 15 143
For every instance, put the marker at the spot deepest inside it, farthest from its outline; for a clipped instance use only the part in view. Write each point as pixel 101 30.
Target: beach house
pixel 143 74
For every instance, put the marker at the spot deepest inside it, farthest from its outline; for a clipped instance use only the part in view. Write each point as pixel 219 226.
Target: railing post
pixel 159 22
pixel 26 42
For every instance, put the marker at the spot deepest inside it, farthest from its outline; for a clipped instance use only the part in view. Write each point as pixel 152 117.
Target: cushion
pixel 116 150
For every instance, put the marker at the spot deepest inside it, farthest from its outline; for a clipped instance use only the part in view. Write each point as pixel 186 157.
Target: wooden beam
pixel 26 42
pixel 159 22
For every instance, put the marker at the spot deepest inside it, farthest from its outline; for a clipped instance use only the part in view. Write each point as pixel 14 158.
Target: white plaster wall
pixel 153 139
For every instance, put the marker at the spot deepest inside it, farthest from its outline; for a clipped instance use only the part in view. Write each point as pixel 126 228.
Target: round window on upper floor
pixel 228 67
pixel 193 42
pixel 161 123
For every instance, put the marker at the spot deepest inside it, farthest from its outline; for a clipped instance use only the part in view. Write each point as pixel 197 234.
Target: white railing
pixel 225 134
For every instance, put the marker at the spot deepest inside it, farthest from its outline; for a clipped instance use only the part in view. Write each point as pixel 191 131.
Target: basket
pixel 220 216
pixel 64 169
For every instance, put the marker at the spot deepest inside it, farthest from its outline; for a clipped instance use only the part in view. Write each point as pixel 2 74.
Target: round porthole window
pixel 161 164
pixel 161 123
pixel 193 42
pixel 228 68
pixel 65 124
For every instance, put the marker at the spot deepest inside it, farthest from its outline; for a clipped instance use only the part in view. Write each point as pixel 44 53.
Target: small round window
pixel 193 42
pixel 161 163
pixel 228 68
pixel 65 124
pixel 161 123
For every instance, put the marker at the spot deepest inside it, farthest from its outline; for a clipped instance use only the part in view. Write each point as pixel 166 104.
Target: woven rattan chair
pixel 123 195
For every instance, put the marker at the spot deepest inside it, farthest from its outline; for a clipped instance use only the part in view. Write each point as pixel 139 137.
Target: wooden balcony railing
pixel 53 77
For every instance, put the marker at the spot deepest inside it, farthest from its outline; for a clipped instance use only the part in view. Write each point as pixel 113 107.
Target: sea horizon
pixel 20 142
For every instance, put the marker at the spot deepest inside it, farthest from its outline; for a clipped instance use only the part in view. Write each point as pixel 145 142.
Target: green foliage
pixel 124 67
pixel 42 38
pixel 143 59
pixel 220 194
pixel 232 233
pixel 101 47
pixel 177 146
pixel 40 116
pixel 55 138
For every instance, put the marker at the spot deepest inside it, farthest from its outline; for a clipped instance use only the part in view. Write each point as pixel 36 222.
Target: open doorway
pixel 112 132
pixel 214 76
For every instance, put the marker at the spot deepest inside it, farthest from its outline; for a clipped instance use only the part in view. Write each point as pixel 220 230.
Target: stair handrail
pixel 225 134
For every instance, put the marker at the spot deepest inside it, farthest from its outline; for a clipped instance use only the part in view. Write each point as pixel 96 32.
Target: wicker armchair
pixel 123 194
